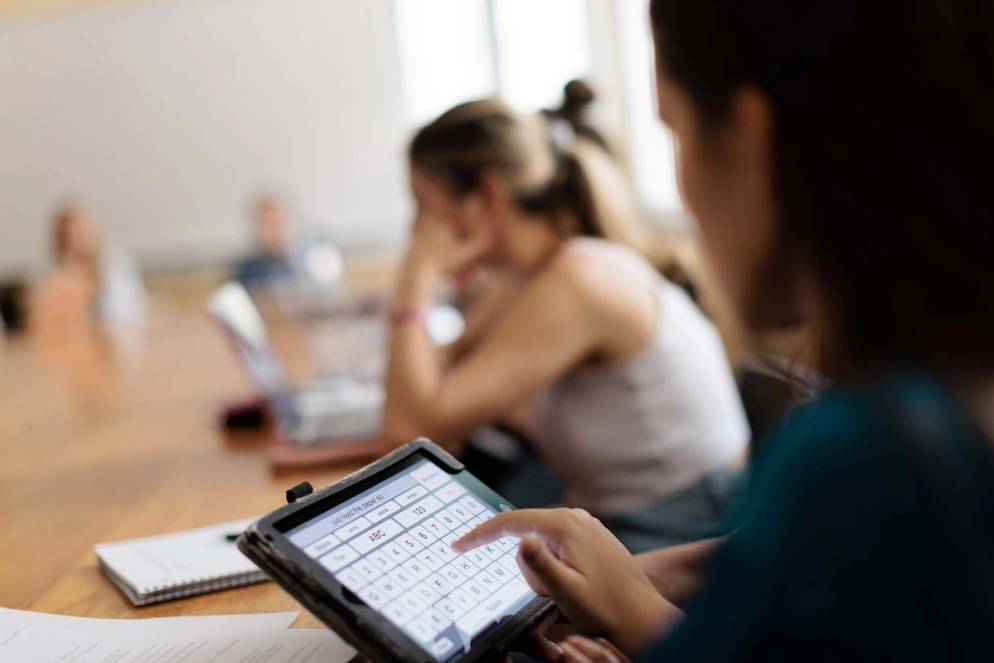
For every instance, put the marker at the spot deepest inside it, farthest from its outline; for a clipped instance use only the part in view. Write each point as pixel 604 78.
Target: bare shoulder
pixel 609 285
pixel 596 268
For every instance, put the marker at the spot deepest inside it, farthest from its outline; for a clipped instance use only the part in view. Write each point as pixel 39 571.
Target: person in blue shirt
pixel 274 258
pixel 835 154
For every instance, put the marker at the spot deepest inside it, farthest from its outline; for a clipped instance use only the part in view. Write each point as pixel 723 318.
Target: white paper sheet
pixel 273 646
pixel 21 619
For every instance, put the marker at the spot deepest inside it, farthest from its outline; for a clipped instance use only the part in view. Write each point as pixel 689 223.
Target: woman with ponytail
pixel 630 394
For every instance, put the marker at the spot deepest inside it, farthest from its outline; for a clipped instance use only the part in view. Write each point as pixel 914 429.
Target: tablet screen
pixel 390 546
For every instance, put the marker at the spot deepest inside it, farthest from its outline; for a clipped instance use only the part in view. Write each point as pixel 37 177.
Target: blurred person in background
pixel 88 280
pixel 92 294
pixel 274 254
pixel 628 391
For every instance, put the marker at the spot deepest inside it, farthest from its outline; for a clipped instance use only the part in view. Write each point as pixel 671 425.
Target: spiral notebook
pixel 173 566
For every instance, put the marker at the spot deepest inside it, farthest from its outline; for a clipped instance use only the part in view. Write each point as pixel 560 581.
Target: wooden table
pixel 99 443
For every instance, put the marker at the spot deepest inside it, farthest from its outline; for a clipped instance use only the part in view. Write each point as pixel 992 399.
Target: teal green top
pixel 868 535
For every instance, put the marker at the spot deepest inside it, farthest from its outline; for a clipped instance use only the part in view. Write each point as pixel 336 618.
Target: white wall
pixel 166 117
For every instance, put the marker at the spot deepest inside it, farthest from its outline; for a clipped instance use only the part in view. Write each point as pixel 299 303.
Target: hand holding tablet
pixel 371 556
pixel 564 553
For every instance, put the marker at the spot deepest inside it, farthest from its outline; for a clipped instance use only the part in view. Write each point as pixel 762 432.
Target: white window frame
pixel 624 72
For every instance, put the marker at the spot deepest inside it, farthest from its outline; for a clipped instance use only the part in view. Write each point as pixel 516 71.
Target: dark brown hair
pixel 883 139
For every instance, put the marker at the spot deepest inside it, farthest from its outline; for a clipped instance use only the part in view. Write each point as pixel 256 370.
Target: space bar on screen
pixel 492 608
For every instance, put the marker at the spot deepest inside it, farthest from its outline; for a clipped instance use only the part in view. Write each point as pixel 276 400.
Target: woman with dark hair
pixel 630 394
pixel 836 155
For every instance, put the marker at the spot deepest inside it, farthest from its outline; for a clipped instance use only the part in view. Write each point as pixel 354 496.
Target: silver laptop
pixel 342 407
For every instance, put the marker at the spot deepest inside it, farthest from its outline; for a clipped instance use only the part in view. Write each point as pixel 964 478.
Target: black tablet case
pixel 368 633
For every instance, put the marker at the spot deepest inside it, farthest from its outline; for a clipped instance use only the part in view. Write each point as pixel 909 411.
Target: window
pixel 446 54
pixel 541 46
pixel 651 145
pixel 455 50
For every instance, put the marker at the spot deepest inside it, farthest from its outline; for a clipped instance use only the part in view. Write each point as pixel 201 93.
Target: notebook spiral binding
pixel 200 586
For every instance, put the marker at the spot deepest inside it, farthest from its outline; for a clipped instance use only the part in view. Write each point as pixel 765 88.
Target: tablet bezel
pixel 266 543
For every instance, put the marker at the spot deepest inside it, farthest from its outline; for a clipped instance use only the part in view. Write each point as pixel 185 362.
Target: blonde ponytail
pixel 603 199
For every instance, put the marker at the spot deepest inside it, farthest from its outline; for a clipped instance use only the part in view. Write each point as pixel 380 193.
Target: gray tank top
pixel 628 434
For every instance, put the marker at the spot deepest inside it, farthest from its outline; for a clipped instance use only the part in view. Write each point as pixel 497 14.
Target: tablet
pixel 370 556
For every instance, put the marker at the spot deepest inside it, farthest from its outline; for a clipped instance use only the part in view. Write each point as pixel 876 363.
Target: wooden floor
pixel 103 440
